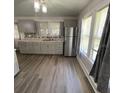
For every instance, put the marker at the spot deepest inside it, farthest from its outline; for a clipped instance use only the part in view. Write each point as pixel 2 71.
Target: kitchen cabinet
pixel 52 48
pixel 44 48
pixel 35 47
pixel 55 48
pixel 28 47
pixel 41 47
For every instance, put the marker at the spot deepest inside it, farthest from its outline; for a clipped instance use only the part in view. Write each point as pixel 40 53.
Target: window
pixel 98 29
pixel 90 40
pixel 85 34
pixel 16 33
pixel 54 28
pixel 49 29
pixel 44 28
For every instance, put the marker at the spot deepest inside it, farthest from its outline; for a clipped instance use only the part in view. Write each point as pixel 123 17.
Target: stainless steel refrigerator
pixel 70 44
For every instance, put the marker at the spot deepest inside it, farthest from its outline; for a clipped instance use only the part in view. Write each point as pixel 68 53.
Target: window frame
pixel 82 34
pixel 92 42
pixel 49 29
pixel 15 24
pixel 91 34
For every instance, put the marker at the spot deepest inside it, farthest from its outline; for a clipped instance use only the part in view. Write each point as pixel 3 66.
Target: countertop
pixel 42 40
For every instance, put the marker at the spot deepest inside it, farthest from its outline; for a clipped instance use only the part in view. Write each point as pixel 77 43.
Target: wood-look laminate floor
pixel 50 74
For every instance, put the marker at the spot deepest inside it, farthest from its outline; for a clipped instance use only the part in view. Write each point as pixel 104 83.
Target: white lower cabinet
pixel 41 47
pixel 36 47
pixel 52 48
pixel 44 48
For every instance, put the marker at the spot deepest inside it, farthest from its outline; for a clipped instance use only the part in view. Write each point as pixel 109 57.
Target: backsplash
pixel 30 35
pixel 36 35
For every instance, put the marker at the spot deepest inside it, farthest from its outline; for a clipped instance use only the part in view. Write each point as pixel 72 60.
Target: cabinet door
pixel 22 47
pixel 52 48
pixel 44 48
pixel 56 48
pixel 59 46
pixel 29 48
pixel 36 47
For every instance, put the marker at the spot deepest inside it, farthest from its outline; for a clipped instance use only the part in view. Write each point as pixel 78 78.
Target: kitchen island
pixel 41 46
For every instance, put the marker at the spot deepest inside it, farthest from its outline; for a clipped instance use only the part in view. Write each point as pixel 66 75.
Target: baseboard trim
pixel 90 79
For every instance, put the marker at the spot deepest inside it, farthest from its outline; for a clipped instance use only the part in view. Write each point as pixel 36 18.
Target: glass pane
pixel 98 29
pixel 86 23
pixel 43 29
pixel 54 28
pixel 93 55
pixel 49 28
pixel 99 25
pixel 16 33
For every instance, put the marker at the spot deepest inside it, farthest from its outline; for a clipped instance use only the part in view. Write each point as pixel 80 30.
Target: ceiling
pixel 56 8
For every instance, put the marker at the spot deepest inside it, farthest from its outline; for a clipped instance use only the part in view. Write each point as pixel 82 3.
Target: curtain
pixel 101 68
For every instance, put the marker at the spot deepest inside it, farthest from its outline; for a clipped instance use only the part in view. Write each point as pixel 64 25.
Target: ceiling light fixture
pixel 44 8
pixel 38 3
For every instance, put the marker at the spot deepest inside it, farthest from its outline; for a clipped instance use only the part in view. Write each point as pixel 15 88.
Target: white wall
pixel 93 6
